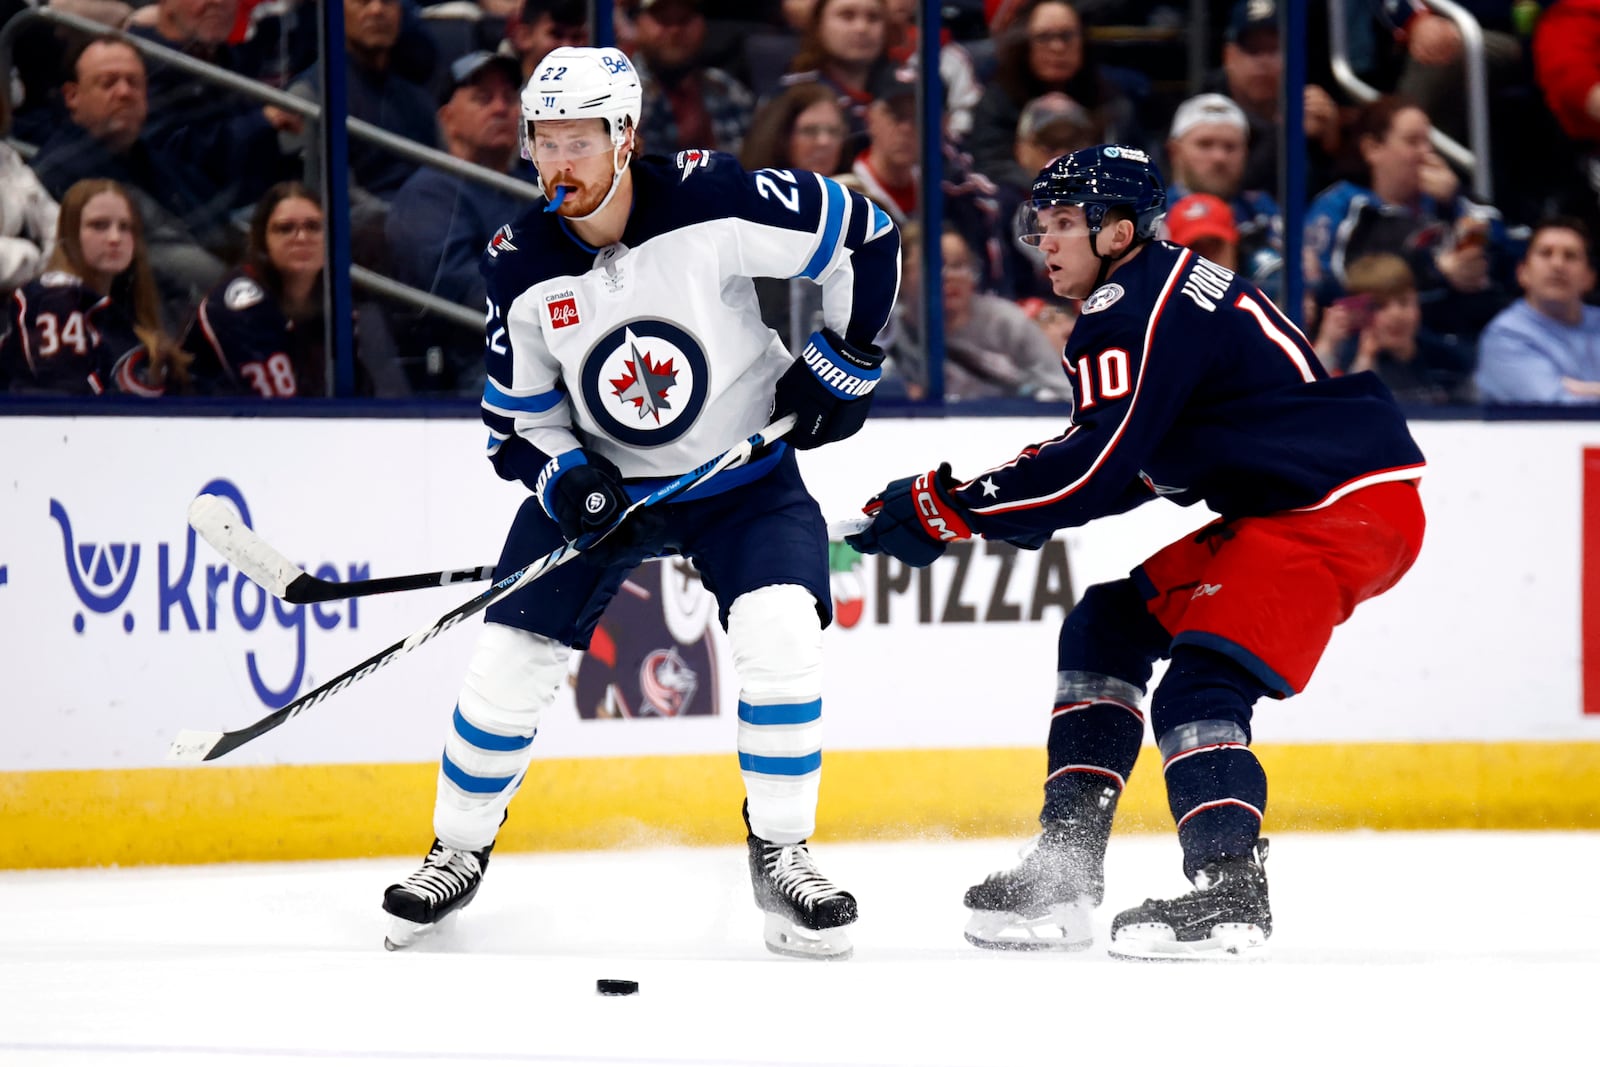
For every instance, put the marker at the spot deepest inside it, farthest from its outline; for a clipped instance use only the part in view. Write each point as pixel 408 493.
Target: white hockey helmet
pixel 583 83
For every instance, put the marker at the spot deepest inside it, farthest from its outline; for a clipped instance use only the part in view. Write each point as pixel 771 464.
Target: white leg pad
pixel 512 678
pixel 777 652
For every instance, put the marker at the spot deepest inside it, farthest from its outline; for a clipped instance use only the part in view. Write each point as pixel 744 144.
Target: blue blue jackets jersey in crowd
pixel 1190 384
pixel 651 352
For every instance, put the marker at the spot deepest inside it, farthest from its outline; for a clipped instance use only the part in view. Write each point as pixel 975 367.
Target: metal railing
pixel 1474 160
pixel 358 128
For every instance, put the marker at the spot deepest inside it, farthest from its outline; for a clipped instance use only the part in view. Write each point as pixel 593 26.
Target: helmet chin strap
pixel 1109 261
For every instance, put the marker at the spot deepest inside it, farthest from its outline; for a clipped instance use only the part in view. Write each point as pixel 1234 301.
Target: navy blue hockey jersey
pixel 244 343
pixel 652 352
pixel 1190 384
pixel 63 337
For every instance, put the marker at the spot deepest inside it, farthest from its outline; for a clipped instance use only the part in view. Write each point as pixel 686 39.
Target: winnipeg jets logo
pixel 501 241
pixel 645 382
pixel 693 158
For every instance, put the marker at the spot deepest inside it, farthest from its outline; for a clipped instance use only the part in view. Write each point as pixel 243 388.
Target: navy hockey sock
pixel 1216 788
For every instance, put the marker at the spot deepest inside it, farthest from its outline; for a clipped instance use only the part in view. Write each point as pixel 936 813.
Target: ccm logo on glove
pixel 942 523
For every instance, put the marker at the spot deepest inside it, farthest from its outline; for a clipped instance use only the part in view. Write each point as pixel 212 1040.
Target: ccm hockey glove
pixel 913 519
pixel 828 389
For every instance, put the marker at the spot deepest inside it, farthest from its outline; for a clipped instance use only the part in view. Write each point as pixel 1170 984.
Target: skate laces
pixel 793 872
pixel 446 873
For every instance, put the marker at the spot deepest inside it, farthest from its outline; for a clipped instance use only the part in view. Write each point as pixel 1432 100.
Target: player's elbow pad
pixel 829 389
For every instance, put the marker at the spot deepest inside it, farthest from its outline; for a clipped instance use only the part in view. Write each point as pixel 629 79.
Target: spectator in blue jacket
pixel 231 139
pixel 439 224
pixel 1545 348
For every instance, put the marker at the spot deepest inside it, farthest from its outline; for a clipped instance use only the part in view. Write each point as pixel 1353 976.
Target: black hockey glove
pixel 913 519
pixel 583 492
pixel 829 389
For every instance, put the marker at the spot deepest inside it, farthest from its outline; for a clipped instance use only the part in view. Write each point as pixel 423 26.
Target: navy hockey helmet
pixel 1098 179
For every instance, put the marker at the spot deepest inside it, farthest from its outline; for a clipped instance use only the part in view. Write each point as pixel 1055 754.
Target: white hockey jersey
pixel 651 352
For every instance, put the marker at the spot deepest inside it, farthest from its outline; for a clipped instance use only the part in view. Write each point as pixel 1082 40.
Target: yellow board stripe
pixel 215 814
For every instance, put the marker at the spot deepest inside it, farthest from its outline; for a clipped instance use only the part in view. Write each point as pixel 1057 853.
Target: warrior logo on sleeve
pixel 646 382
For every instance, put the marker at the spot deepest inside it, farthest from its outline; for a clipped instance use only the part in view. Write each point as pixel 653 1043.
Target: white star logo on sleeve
pixel 989 488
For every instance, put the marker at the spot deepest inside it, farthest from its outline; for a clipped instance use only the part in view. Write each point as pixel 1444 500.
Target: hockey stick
pixel 195 746
pixel 214 519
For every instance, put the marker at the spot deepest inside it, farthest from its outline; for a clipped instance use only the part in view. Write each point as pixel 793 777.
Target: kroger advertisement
pixel 121 627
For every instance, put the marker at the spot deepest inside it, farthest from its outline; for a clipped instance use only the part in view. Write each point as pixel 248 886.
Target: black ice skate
pixel 805 911
pixel 1226 917
pixel 1046 900
pixel 445 883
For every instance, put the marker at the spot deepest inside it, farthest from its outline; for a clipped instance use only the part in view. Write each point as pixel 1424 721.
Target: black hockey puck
pixel 616 987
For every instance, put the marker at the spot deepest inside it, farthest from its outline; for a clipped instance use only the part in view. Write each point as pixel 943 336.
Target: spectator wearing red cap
pixel 1202 222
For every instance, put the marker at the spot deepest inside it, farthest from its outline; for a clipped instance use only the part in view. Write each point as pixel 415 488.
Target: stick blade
pixel 215 519
pixel 194 746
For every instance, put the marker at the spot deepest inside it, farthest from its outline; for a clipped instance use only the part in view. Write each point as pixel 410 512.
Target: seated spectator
pixel 962 89
pixel 992 348
pixel 1378 328
pixel 888 172
pixel 537 26
pixel 844 47
pixel 1545 348
pixel 91 325
pixel 1252 76
pixel 440 224
pixel 184 216
pixel 802 128
pixel 27 214
pixel 686 103
pixel 260 331
pixel 1043 51
pixel 1410 205
pixel 377 94
pixel 1204 223
pixel 230 139
pixel 1206 152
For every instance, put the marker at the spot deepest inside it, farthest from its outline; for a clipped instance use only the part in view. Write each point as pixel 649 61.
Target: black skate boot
pixel 445 883
pixel 1226 917
pixel 1045 901
pixel 805 911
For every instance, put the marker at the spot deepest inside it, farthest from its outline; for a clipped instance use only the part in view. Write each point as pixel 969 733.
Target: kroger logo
pixel 104 575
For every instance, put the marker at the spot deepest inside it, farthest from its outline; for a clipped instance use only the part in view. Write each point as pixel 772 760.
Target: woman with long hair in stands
pixel 844 47
pixel 259 332
pixel 91 324
pixel 802 128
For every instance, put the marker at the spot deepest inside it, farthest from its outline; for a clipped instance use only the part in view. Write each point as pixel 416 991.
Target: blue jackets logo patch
pixel 1103 298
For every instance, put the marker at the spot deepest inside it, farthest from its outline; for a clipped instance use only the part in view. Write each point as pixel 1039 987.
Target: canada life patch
pixel 1102 298
pixel 563 309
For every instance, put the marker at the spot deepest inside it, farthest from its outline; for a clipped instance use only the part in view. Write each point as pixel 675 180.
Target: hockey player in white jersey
pixel 625 347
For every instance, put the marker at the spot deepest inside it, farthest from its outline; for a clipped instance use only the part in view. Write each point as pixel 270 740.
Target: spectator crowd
pixel 163 235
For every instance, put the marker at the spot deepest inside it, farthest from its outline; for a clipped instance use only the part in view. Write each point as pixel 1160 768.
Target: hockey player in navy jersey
pixel 625 347
pixel 1188 384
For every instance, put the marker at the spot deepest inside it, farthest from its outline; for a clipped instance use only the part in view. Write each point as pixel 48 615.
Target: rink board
pixel 1458 699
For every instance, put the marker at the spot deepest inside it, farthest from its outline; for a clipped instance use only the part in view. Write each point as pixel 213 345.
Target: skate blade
pixel 787 939
pixel 1229 942
pixel 403 933
pixel 1064 928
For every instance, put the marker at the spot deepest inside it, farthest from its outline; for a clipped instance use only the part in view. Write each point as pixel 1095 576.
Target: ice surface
pixel 1460 948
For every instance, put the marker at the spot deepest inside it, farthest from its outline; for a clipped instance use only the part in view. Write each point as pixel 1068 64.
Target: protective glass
pixel 1038 219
